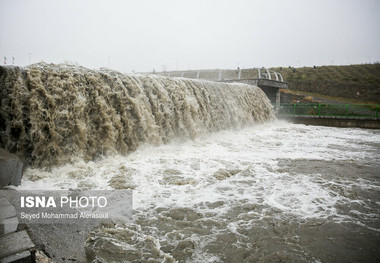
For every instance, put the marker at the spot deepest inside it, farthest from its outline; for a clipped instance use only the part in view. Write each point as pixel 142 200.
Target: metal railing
pixel 321 110
pixel 267 74
pixel 226 74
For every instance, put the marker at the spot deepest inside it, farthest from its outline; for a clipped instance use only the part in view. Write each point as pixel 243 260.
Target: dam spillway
pixel 51 113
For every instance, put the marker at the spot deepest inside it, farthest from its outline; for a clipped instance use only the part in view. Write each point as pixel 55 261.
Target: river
pixel 273 192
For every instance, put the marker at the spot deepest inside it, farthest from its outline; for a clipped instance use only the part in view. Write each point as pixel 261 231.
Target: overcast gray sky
pixel 141 35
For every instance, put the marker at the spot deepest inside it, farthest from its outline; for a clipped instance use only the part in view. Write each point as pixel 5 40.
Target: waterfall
pixel 53 113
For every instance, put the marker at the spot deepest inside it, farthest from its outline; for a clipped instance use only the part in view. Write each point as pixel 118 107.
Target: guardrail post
pixel 377 112
pixel 346 109
pixel 294 109
pixel 268 72
pixel 282 79
pixel 275 74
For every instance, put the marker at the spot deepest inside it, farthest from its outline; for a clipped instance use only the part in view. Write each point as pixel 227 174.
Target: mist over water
pixel 52 113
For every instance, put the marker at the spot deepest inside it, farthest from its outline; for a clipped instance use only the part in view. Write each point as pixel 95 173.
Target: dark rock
pixel 10 169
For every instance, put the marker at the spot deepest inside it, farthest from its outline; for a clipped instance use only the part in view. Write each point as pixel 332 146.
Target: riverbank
pixel 333 122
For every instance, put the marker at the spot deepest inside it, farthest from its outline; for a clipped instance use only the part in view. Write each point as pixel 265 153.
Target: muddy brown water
pixel 214 178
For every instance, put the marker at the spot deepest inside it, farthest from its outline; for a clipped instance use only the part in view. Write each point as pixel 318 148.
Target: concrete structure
pixel 334 122
pixel 270 87
pixel 269 81
pixel 14 246
pixel 10 169
pixel 8 217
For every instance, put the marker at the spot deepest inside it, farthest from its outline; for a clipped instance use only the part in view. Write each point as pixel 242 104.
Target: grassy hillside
pixel 358 82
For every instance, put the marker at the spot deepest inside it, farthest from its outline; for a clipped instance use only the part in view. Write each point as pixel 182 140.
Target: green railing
pixel 322 110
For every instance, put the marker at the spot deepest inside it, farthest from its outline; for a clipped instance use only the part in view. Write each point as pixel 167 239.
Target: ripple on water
pixel 285 195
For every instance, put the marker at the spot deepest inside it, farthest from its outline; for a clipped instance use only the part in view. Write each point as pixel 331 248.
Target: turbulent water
pixel 275 192
pixel 209 183
pixel 53 113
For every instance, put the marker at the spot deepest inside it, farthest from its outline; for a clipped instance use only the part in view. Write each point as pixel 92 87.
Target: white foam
pixel 182 174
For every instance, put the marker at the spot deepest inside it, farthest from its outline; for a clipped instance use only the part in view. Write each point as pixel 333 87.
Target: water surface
pixel 275 192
